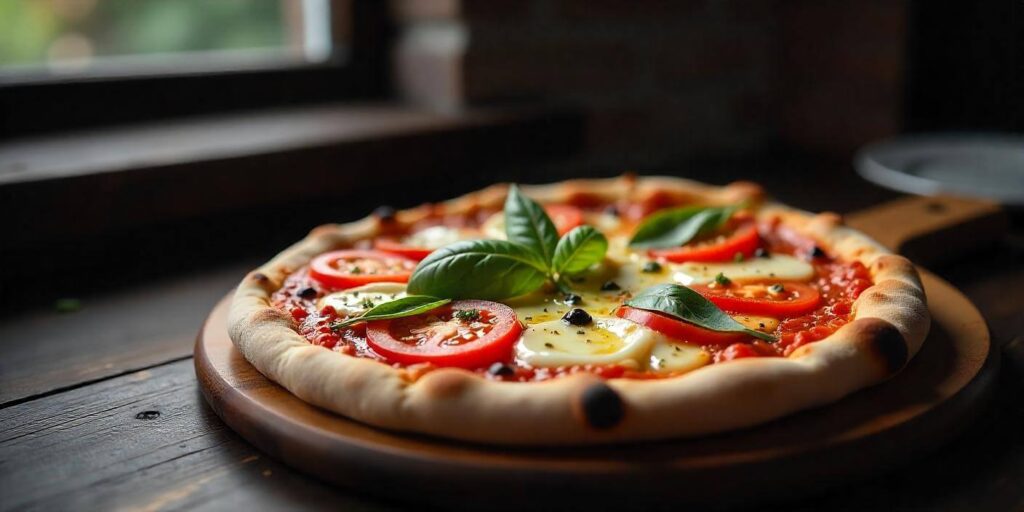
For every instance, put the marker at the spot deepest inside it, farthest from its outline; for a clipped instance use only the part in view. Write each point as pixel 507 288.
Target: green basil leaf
pixel 406 306
pixel 578 250
pixel 479 269
pixel 689 306
pixel 527 224
pixel 676 227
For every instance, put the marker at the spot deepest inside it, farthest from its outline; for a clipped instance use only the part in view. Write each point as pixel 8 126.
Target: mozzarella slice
pixel 494 226
pixel 619 251
pixel 355 301
pixel 605 222
pixel 605 341
pixel 436 237
pixel 777 266
pixel 667 356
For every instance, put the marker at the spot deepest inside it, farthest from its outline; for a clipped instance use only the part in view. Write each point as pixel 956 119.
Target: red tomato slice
pixel 442 338
pixel 351 268
pixel 795 299
pixel 744 240
pixel 564 217
pixel 396 247
pixel 678 329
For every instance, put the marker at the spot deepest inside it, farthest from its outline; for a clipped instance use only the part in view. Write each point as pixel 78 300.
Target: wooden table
pixel 99 409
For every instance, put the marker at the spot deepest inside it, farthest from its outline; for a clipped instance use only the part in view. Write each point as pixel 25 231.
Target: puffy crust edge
pixel 891 322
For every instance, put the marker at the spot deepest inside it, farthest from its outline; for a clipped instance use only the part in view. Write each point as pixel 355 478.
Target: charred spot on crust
pixel 601 405
pixel 445 384
pixel 271 315
pixel 891 261
pixel 885 341
pixel 385 213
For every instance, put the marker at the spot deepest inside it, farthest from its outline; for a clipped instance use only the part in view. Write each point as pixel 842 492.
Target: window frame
pixel 38 107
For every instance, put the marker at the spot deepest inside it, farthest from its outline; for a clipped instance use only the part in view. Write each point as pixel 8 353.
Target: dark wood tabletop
pixel 100 408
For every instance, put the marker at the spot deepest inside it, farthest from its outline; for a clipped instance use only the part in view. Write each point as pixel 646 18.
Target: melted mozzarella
pixel 355 301
pixel 607 223
pixel 777 266
pixel 605 341
pixel 667 356
pixel 494 226
pixel 436 237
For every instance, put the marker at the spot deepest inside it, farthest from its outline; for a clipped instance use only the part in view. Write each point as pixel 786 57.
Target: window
pixel 67 64
pixel 46 39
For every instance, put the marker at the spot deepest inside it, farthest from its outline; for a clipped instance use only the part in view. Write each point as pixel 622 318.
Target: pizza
pixel 581 312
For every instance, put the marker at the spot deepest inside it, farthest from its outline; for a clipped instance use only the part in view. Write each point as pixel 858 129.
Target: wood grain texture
pixel 122 331
pixel 144 441
pixel 936 396
pixel 86 449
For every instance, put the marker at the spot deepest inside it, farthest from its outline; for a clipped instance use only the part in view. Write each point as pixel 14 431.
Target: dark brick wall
pixel 662 80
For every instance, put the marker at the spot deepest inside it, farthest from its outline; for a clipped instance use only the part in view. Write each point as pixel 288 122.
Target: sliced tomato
pixel 351 268
pixel 564 217
pixel 678 329
pixel 396 247
pixel 743 240
pixel 756 299
pixel 446 338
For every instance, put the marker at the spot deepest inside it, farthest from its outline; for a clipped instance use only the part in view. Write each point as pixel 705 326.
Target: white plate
pixel 979 165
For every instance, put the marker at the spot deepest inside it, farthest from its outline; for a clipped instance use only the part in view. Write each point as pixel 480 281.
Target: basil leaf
pixel 479 269
pixel 689 306
pixel 526 223
pixel 578 250
pixel 676 227
pixel 406 306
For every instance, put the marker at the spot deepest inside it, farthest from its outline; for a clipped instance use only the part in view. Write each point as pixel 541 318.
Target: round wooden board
pixel 869 432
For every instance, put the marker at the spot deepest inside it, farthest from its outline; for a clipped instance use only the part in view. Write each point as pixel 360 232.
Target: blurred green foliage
pixel 28 28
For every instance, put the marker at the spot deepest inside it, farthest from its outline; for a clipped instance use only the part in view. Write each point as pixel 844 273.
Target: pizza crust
pixel 890 323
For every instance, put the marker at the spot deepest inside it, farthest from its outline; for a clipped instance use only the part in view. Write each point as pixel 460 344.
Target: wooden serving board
pixel 870 432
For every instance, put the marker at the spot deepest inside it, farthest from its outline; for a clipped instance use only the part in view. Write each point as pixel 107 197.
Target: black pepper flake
pixel 760 252
pixel 577 316
pixel 385 213
pixel 610 286
pixel 548 344
pixel 817 252
pixel 501 370
pixel 572 299
pixel 651 267
pixel 776 289
pixel 581 333
pixel 722 280
pixel 308 293
pixel 611 210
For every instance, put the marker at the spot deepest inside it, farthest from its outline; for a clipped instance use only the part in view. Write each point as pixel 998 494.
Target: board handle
pixel 932 230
